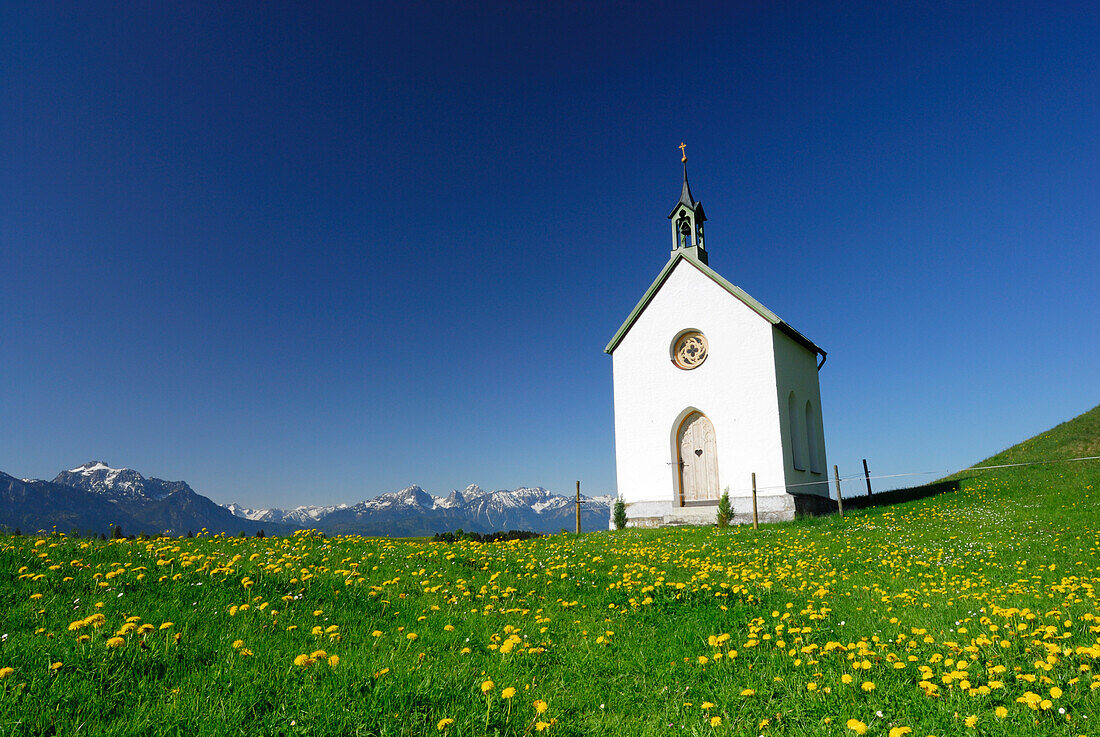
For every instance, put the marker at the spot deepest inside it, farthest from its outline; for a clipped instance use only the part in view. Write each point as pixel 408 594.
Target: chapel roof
pixel 718 279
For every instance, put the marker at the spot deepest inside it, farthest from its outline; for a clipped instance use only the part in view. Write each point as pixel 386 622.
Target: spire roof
pixel 686 200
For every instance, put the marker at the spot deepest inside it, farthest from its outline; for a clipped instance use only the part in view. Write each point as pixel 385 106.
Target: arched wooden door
pixel 698 460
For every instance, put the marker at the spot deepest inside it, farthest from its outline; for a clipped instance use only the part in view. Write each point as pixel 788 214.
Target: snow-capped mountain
pixel 303 515
pixel 413 511
pixel 119 484
pixel 95 498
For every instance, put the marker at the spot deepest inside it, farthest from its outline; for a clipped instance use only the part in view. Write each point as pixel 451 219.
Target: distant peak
pixel 92 466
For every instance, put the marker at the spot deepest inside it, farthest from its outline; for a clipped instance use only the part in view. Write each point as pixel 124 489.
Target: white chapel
pixel 711 387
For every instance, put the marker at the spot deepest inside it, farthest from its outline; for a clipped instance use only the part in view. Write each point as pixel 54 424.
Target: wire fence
pixel 863 478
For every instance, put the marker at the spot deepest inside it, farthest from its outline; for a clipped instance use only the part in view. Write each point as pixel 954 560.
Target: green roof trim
pixel 718 279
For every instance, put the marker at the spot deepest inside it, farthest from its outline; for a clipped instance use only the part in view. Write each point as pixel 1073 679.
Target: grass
pixel 931 615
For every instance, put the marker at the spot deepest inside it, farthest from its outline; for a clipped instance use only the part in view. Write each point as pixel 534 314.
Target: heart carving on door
pixel 698 451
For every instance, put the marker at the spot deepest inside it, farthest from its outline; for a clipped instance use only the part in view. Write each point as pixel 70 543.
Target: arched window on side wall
pixel 794 429
pixel 813 441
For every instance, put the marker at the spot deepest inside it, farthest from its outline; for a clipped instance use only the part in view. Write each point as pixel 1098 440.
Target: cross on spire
pixel 683 152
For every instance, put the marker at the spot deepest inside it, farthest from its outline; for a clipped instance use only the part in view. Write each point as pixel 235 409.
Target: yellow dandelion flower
pixel 706 705
pixel 540 706
pixel 542 726
pixel 238 644
pixel 318 612
pixel 856 726
pixel 411 636
pixel 1055 693
pixel 5 672
pixel 715 721
pixel 302 660
pixel 971 721
pixel 116 642
pixel 442 724
pixel 487 686
pixel 508 693
pixel 318 655
pixel 376 633
pixel 845 678
pixel 1001 712
pixel 811 686
pixel 748 692
pixel 900 731
pixel 868 686
pixel 55 666
pixel 333 661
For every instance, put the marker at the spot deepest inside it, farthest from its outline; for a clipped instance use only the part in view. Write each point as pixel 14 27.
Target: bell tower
pixel 687 219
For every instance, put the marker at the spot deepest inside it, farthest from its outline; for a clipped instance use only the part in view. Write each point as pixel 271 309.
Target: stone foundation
pixel 772 508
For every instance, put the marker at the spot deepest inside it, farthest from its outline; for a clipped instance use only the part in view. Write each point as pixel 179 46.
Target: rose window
pixel 690 350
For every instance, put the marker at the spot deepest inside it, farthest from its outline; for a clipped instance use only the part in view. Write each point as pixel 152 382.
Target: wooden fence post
pixel 839 500
pixel 867 475
pixel 578 507
pixel 755 523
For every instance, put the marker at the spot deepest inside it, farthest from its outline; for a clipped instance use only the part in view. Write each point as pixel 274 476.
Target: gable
pixel 714 276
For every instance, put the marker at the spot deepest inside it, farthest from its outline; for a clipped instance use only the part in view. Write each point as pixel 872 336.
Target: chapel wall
pixel 735 387
pixel 796 371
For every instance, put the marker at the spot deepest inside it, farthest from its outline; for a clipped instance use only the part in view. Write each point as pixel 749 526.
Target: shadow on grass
pixel 808 505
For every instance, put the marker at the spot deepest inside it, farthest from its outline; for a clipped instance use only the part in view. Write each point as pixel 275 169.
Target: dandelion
pixel 1001 712
pixel 971 721
pixel 303 661
pixel 715 721
pixel 487 686
pixel 542 726
pixel 748 692
pixel 856 726
pixel 55 666
pixel 508 693
pixel 238 644
pixel 442 724
pixel 1055 693
pixel 706 705
pixel 868 686
pixel 411 636
pixel 5 672
pixel 116 642
pixel 900 731
pixel 540 706
pixel 333 661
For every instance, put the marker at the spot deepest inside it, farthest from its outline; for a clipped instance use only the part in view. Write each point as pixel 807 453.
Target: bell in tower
pixel 687 220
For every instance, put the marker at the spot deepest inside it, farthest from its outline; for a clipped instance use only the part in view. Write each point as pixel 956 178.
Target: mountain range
pixel 95 498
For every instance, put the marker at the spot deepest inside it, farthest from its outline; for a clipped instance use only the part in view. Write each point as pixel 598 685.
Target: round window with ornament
pixel 689 350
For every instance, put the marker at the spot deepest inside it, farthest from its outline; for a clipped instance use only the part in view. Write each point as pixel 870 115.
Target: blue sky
pixel 311 253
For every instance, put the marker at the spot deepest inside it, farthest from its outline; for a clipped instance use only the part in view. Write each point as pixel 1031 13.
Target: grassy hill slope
pixel 1072 439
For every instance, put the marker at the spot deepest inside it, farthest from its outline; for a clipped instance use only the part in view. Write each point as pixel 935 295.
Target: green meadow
pixel 973 612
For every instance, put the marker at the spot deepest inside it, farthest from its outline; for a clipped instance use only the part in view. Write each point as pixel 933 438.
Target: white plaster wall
pixel 796 370
pixel 735 387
